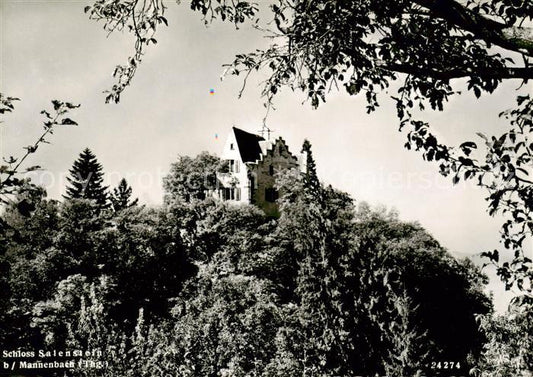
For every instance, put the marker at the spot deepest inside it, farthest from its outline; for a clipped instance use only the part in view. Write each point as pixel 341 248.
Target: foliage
pixel 431 47
pixel 11 181
pixel 86 178
pixel 133 248
pixel 508 351
pixel 190 178
pixel 424 268
pixel 311 178
pixel 227 327
pixel 506 175
pixel 6 103
pixel 19 197
pixel 26 271
pixel 371 275
pixel 142 19
pixel 201 287
pixel 147 260
pixel 59 317
pixel 334 328
pixel 121 196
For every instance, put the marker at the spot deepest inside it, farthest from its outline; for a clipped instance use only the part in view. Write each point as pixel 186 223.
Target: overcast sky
pixel 50 50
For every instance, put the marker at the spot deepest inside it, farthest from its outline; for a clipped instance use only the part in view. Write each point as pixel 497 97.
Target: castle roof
pixel 248 145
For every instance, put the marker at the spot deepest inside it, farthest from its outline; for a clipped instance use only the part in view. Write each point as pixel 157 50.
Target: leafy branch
pixel 142 18
pixel 506 173
pixel 139 17
pixel 10 183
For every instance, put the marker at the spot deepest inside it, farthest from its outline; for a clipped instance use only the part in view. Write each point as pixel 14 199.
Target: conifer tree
pixel 86 178
pixel 121 196
pixel 310 176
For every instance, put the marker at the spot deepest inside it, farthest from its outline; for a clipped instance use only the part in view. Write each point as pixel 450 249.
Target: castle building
pixel 251 165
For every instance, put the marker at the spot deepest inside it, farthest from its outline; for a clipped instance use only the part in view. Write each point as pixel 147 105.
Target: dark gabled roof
pixel 248 145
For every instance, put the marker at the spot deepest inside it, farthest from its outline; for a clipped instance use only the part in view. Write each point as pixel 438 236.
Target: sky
pixel 51 50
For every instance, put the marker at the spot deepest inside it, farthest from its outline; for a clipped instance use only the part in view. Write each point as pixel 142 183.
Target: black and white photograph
pixel 266 188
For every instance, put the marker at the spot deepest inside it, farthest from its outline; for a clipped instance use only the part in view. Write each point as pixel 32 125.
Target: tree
pixel 432 47
pixel 509 349
pixel 224 325
pixel 372 294
pixel 25 276
pixel 310 177
pixel 221 289
pixel 191 178
pixel 435 282
pixel 121 196
pixel 86 178
pixel 135 248
pixel 20 198
pixel 146 259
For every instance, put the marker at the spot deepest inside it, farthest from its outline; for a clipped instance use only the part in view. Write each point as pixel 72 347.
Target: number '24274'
pixel 445 365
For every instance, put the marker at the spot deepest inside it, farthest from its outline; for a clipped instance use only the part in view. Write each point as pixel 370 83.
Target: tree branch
pixel 459 72
pixel 490 31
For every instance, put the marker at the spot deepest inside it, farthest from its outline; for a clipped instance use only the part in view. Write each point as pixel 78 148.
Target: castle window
pixel 231 146
pixel 234 166
pixel 251 188
pixel 228 193
pixel 271 195
pixel 231 193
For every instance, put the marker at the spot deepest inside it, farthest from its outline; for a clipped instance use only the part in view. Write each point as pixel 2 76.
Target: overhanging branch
pixel 459 72
pixel 490 31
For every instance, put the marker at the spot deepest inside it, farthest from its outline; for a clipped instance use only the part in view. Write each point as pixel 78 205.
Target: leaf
pixel 467 147
pixel 71 105
pixel 522 99
pixel 468 144
pixel 69 122
pixel 493 256
pixel 466 161
pixel 47 114
pixel 57 104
